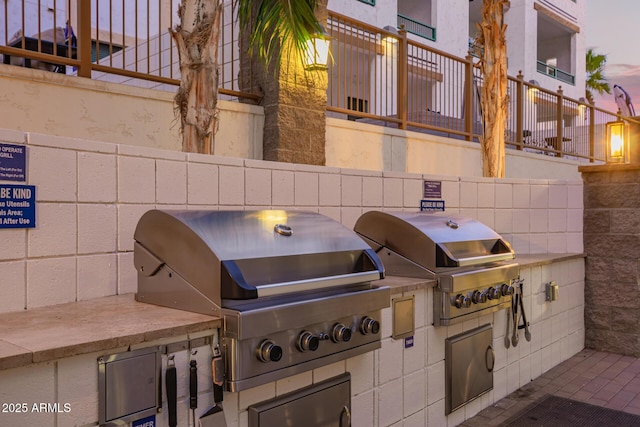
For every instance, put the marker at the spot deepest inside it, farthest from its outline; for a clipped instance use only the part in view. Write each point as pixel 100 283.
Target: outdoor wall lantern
pixel 317 52
pixel 617 142
pixel 391 36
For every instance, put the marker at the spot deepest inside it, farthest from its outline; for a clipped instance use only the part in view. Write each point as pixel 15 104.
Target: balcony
pixel 556 73
pixel 417 28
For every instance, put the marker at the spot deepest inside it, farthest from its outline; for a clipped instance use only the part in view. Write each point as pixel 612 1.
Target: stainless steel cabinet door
pixel 469 361
pixel 326 404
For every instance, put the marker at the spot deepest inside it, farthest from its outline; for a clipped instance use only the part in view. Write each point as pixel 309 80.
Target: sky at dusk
pixel 613 28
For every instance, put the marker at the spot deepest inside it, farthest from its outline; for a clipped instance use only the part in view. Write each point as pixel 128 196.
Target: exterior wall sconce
pixel 317 53
pixel 617 142
pixel 390 38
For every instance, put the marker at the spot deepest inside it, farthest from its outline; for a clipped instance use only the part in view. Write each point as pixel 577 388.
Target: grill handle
pixel 243 290
pixel 485 259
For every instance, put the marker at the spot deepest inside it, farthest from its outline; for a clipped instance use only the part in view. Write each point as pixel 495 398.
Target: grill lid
pixel 434 241
pixel 249 254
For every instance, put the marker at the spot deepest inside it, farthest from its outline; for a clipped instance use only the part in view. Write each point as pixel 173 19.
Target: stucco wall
pixel 58 105
pixel 365 146
pixel 55 104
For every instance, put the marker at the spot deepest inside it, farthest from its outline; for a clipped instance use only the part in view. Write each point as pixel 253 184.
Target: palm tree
pixel 271 24
pixel 595 75
pixel 494 100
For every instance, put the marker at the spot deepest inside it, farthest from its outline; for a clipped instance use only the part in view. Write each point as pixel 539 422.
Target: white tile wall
pixel 202 184
pixel 171 182
pixel 136 180
pixel 54 173
pixel 97 228
pixel 56 231
pixel 97 276
pixel 29 385
pixel 392 192
pixel 51 281
pixel 91 196
pixel 415 392
pixel 389 403
pixel 12 280
pixel 329 190
pixel 14 244
pixel 97 177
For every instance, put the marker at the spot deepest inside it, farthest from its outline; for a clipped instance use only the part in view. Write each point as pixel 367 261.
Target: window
pixel 100 50
pixel 371 2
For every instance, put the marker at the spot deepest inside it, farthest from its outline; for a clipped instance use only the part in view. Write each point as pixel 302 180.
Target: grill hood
pixel 204 257
pixel 435 242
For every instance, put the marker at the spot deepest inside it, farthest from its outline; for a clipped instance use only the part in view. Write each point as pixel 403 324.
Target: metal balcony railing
pixel 418 28
pixel 374 76
pixel 117 41
pixel 556 73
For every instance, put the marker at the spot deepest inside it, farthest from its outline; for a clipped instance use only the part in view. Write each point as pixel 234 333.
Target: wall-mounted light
pixel 391 36
pixel 617 142
pixel 533 90
pixel 317 53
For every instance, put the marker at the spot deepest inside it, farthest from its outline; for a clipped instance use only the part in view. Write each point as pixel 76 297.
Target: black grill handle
pixel 193 385
pixel 172 398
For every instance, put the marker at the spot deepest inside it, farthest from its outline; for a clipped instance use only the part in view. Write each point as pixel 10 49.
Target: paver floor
pixel 595 377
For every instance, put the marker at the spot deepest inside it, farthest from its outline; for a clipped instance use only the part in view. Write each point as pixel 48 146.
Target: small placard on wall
pixel 13 162
pixel 432 205
pixel 17 206
pixel 432 190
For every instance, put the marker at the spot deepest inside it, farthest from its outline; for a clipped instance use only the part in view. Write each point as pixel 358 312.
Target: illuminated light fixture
pixel 617 142
pixel 582 106
pixel 390 38
pixel 317 52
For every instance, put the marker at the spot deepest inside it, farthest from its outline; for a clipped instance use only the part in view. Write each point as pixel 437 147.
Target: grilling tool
pixel 172 391
pixel 525 325
pixel 193 388
pixel 515 338
pixel 507 340
pixel 214 417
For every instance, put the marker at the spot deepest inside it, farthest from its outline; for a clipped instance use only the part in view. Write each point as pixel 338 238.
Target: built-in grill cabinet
pixel 468 260
pixel 294 288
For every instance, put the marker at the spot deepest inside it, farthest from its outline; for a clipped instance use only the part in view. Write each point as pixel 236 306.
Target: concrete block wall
pixel 90 196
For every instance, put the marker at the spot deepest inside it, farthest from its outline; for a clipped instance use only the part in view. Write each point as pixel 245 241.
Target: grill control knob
pixel 462 301
pixel 340 333
pixel 269 352
pixel 507 290
pixel 494 293
pixel 369 326
pixel 479 297
pixel 307 342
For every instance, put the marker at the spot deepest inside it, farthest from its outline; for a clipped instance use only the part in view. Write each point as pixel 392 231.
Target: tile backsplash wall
pixel 90 196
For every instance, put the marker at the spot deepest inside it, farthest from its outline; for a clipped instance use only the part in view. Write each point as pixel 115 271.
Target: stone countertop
pixel 101 324
pixel 407 284
pixel 534 260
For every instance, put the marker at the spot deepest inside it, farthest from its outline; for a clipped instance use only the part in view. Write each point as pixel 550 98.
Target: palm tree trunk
pixel 197 37
pixel 493 96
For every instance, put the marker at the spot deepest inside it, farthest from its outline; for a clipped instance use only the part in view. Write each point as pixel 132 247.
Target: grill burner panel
pixel 465 257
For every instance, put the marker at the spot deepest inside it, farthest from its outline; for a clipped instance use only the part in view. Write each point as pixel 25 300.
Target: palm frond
pixel 276 23
pixel 595 81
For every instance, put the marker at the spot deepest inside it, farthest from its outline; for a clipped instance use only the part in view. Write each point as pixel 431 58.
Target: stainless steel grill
pixel 293 288
pixel 467 258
